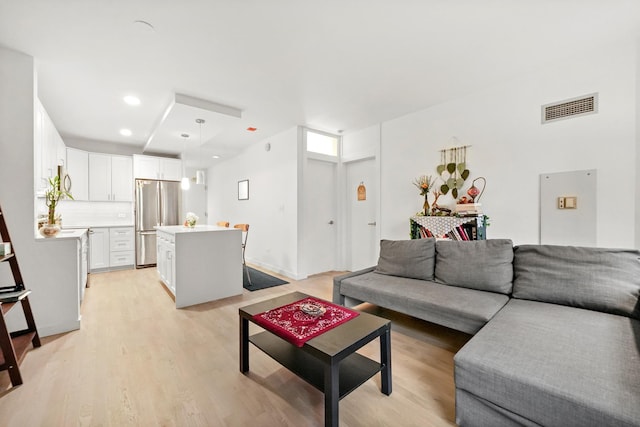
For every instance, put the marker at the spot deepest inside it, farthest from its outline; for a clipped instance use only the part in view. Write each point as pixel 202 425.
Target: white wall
pixel 510 147
pixel 48 267
pixel 271 210
pixel 361 144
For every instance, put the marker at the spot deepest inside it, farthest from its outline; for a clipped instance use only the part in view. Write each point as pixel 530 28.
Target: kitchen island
pixel 200 264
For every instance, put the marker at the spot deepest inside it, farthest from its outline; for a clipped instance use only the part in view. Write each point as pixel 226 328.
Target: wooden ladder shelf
pixel 14 345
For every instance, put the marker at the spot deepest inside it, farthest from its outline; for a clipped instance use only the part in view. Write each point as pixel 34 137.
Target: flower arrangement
pixel 191 220
pixel 424 184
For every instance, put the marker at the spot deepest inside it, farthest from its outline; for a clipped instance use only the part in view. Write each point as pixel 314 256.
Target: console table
pixel 441 226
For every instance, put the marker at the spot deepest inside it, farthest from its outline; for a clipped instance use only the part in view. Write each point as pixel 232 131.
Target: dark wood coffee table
pixel 328 362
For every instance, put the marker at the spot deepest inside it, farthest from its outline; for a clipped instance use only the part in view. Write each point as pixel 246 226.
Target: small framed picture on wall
pixel 243 190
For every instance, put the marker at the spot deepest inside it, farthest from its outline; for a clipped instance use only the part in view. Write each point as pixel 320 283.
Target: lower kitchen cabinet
pixel 99 246
pixel 166 260
pixel 112 247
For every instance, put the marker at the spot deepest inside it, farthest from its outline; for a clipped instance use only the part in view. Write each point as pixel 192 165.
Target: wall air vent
pixel 580 106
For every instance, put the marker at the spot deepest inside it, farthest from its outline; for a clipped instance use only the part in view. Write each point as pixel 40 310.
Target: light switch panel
pixel 568 202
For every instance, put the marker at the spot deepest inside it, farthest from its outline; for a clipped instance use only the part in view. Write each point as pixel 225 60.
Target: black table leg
pixel 385 361
pixel 331 394
pixel 244 345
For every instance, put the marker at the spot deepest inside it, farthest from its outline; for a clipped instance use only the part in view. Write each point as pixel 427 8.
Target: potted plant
pixel 52 196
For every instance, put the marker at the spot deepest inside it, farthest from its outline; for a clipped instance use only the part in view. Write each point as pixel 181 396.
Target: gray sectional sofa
pixel 556 328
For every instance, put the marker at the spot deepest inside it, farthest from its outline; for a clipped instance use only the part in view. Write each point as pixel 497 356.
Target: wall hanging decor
pixel 452 169
pixel 243 190
pixel 362 192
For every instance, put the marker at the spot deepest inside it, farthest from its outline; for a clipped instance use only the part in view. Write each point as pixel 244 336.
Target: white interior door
pixel 320 216
pixel 362 240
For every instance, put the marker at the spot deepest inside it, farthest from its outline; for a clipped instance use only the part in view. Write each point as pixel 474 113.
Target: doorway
pixel 320 216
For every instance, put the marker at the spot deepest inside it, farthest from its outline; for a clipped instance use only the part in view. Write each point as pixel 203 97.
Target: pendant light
pixel 200 178
pixel 184 182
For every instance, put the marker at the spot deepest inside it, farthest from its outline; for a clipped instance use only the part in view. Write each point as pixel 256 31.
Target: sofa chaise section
pixel 565 351
pixel 547 364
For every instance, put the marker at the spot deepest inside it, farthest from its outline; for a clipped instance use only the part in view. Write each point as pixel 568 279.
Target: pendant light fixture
pixel 184 182
pixel 200 178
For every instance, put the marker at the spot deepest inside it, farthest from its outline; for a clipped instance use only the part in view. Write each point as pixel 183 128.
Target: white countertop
pixel 175 229
pixel 65 233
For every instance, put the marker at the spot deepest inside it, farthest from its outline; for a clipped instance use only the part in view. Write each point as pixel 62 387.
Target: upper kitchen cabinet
pixel 50 151
pixel 110 178
pixel 150 167
pixel 78 171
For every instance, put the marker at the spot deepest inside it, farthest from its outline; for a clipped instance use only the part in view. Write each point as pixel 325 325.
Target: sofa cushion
pixel 600 279
pixel 463 309
pixel 486 265
pixel 407 258
pixel 555 365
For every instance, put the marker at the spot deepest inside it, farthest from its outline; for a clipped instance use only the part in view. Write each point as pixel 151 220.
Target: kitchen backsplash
pixel 91 214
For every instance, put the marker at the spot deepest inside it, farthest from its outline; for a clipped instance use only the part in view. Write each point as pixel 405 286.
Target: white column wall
pixel 271 210
pixel 49 268
pixel 510 146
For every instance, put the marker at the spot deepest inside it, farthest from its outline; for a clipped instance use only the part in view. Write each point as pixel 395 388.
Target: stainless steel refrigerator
pixel 157 203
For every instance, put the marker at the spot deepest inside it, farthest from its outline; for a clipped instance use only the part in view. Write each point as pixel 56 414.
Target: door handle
pixel 371 223
pixel 331 222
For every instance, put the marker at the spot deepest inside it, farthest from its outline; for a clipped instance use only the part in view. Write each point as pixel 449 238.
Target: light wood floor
pixel 137 361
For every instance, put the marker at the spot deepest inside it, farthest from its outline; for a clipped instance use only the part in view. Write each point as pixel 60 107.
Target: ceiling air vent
pixel 587 104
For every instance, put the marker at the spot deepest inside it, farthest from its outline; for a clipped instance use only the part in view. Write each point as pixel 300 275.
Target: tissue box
pixel 5 248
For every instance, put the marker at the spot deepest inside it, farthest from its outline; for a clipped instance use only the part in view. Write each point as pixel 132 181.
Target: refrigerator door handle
pixel 145 233
pixel 159 204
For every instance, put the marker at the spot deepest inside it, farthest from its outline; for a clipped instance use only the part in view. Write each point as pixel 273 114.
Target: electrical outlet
pixel 560 202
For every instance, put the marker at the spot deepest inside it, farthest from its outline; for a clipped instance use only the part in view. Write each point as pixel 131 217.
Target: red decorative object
pixel 297 327
pixel 474 192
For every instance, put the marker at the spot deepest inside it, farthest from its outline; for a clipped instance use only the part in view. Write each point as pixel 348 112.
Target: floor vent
pixel 569 108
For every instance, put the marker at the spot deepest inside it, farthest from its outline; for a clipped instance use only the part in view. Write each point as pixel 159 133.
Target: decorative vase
pixel 426 205
pixel 49 230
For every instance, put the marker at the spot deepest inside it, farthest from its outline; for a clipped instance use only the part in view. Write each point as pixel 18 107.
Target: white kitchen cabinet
pixel 82 265
pixel 166 260
pixel 112 247
pixel 171 169
pixel 99 248
pixel 200 264
pixel 150 167
pixel 78 171
pixel 121 246
pixel 49 148
pixel 110 178
pixel 122 178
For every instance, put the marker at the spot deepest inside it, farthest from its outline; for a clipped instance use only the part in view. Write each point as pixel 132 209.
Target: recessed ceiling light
pixel 132 100
pixel 252 129
pixel 215 157
pixel 125 132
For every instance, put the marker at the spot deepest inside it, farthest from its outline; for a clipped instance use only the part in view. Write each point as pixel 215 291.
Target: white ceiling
pixel 331 65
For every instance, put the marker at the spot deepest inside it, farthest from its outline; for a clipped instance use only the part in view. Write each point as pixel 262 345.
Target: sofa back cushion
pixel 486 265
pixel 606 280
pixel 407 258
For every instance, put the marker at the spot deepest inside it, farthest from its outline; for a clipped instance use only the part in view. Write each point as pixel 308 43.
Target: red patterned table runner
pixel 297 327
